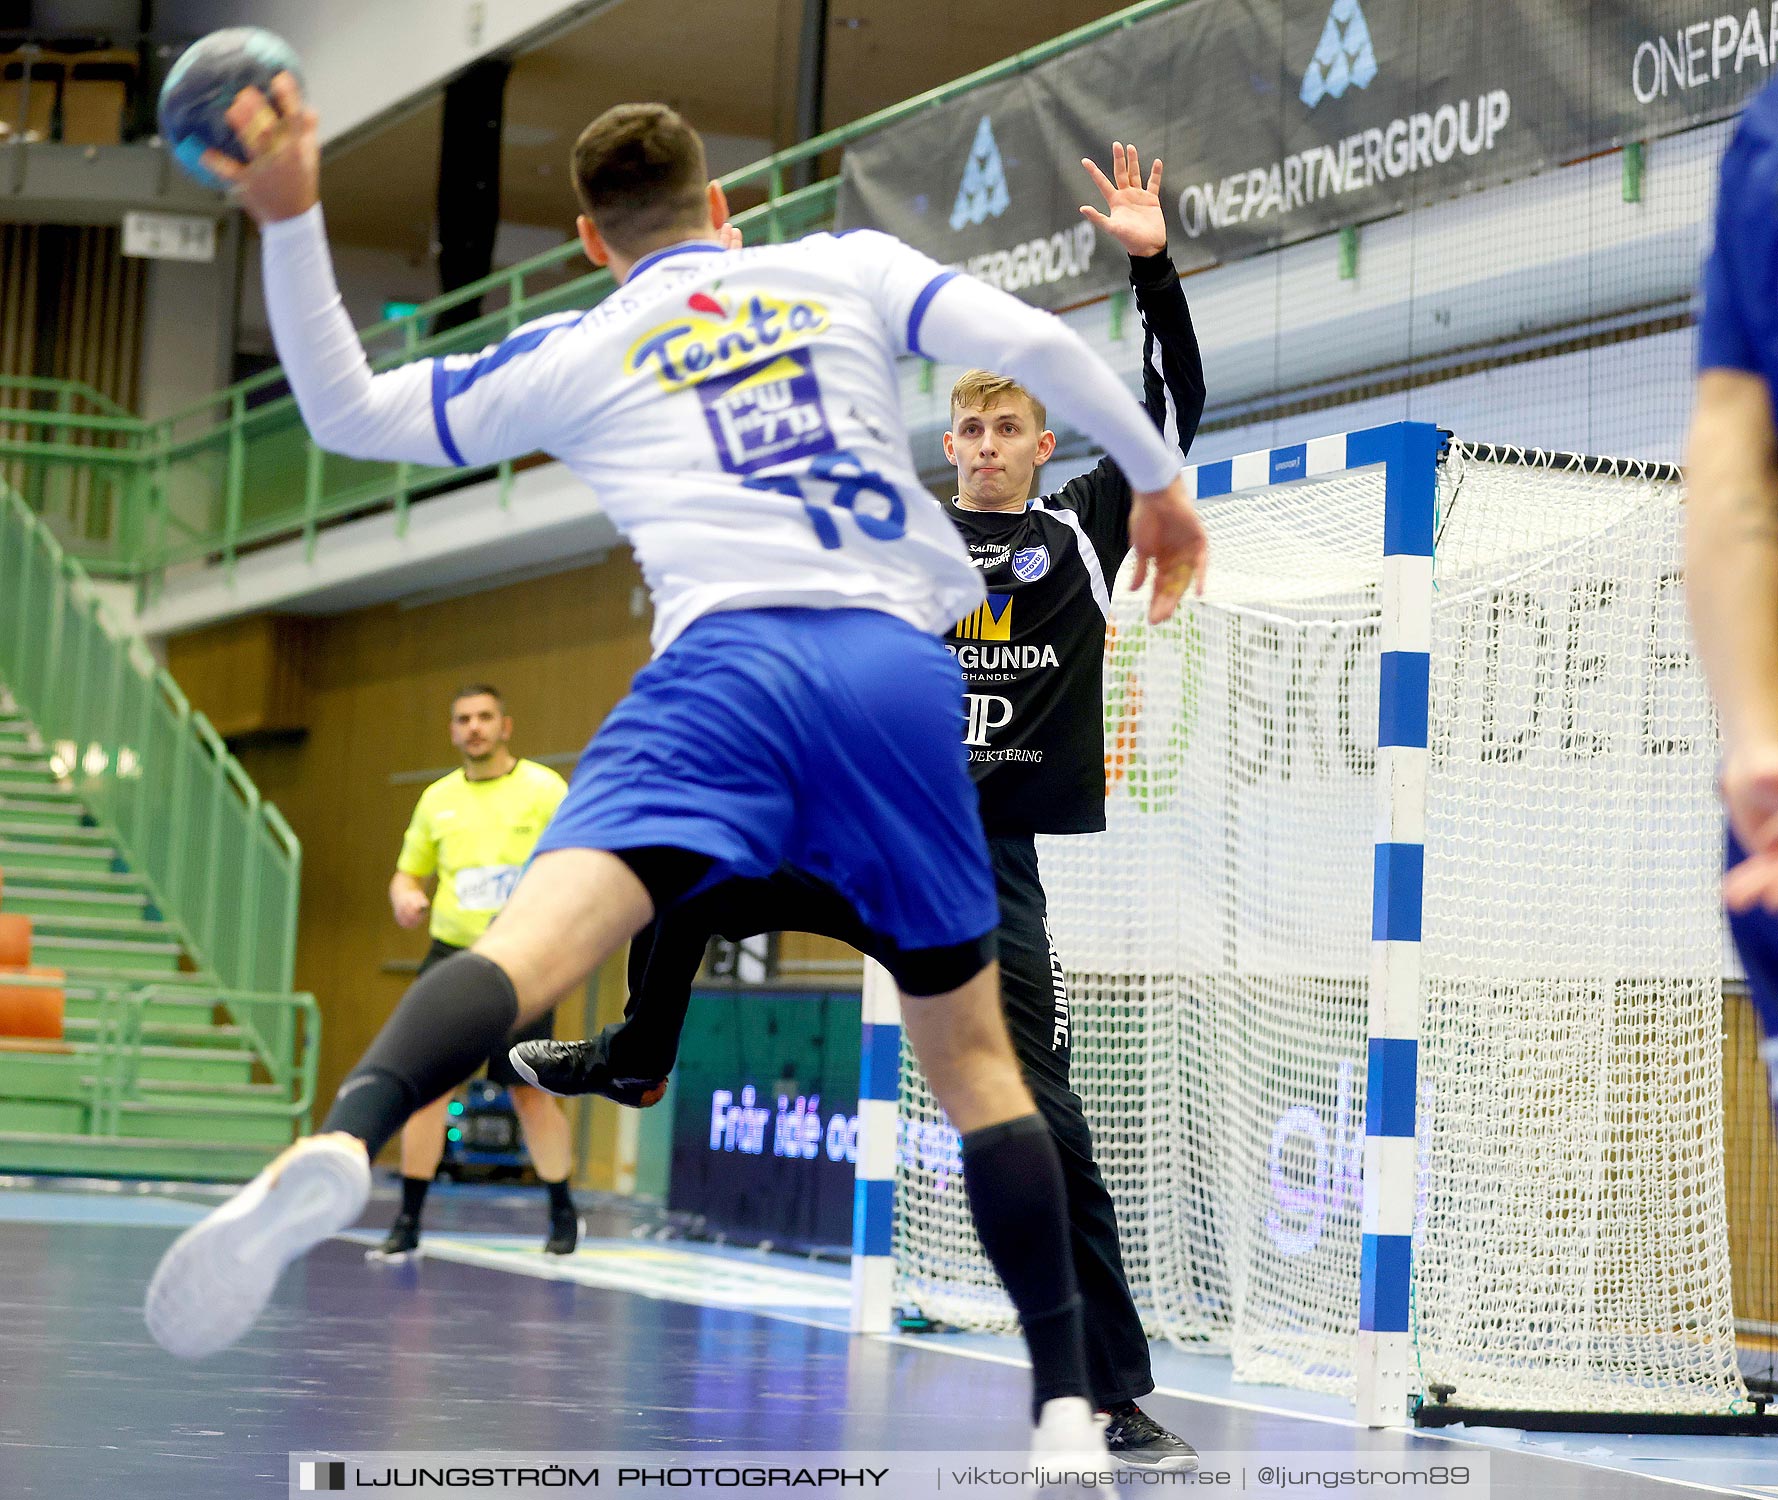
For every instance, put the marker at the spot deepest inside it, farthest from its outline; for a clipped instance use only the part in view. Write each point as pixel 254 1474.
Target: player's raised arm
pixel 396 415
pixel 956 319
pixel 1173 386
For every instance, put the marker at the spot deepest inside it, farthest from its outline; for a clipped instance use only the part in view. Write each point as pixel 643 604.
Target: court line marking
pixel 495 1255
pixel 648 1269
pixel 493 1259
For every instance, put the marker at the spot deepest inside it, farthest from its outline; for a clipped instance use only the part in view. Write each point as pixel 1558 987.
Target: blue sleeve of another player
pixel 1741 261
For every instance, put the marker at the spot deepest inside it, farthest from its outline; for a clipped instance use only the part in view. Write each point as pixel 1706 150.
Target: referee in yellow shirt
pixel 470 837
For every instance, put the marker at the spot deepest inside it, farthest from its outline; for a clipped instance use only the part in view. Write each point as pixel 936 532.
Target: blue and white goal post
pixel 873 1186
pixel 1407 454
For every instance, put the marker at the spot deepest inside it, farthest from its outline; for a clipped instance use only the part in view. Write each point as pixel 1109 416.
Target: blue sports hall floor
pixel 634 1343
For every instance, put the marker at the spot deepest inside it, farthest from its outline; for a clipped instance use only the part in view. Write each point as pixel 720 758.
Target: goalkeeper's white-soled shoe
pixel 216 1278
pixel 1068 1451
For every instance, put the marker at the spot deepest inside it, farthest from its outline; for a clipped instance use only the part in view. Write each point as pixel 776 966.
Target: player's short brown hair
pixel 640 175
pixel 478 690
pixel 983 388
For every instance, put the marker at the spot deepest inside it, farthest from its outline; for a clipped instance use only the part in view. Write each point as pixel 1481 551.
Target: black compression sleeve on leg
pixel 446 1025
pixel 1017 1197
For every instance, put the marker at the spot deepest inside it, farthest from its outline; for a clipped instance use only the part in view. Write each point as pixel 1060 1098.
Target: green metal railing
pixel 236 470
pixel 284 1031
pixel 82 461
pixel 220 864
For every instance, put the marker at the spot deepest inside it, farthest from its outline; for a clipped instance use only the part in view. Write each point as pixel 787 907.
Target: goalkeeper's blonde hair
pixel 981 388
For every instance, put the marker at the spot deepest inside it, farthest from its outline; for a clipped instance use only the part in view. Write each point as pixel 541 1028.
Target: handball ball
pixel 204 82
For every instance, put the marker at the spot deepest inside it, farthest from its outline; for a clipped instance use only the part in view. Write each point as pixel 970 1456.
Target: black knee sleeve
pixel 446 1025
pixel 1018 1199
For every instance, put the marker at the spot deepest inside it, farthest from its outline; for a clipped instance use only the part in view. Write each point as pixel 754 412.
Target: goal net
pixel 1570 1242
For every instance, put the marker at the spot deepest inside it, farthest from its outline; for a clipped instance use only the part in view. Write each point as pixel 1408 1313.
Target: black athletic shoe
pixel 403 1241
pixel 1136 1438
pixel 567 1069
pixel 564 1234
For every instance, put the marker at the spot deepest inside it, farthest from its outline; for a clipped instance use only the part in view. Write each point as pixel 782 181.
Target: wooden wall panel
pixel 71 308
pixel 1751 1166
pixel 250 676
pixel 807 956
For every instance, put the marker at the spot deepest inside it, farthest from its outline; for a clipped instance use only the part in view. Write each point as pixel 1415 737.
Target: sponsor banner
pixel 1279 120
pixel 993 202
pixel 765 1116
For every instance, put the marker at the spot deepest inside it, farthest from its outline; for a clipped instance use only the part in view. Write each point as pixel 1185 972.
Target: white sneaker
pixel 1068 1449
pixel 215 1280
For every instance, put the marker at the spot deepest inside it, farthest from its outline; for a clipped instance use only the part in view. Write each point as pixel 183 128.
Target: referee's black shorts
pixel 499 1066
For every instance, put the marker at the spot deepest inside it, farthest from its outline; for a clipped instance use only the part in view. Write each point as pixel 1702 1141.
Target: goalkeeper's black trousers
pixel 664 960
pixel 1041 1019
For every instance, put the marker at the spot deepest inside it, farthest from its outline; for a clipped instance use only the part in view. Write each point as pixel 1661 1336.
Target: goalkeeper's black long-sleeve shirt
pixel 1033 655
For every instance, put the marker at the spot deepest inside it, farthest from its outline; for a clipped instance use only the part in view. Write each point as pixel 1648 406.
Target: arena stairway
pixel 157 1093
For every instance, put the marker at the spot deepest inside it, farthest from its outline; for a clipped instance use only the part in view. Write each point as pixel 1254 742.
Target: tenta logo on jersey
pixel 1344 59
pixel 982 193
pixel 986 714
pixel 1030 563
pixel 991 620
pixel 720 335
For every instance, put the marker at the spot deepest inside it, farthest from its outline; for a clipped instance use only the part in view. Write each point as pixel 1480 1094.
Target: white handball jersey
pixel 736 412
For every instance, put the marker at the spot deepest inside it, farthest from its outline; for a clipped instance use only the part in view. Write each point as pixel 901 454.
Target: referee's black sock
pixel 453 1017
pixel 1019 1201
pixel 413 1196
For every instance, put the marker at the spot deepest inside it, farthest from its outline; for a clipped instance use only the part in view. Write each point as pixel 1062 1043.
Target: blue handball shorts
pixel 1756 940
pixel 828 740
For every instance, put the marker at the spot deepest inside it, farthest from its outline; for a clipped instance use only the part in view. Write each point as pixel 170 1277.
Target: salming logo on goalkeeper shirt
pixel 1060 1031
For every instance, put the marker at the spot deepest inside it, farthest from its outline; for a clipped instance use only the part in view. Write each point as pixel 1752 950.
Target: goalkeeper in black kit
pixel 1032 658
